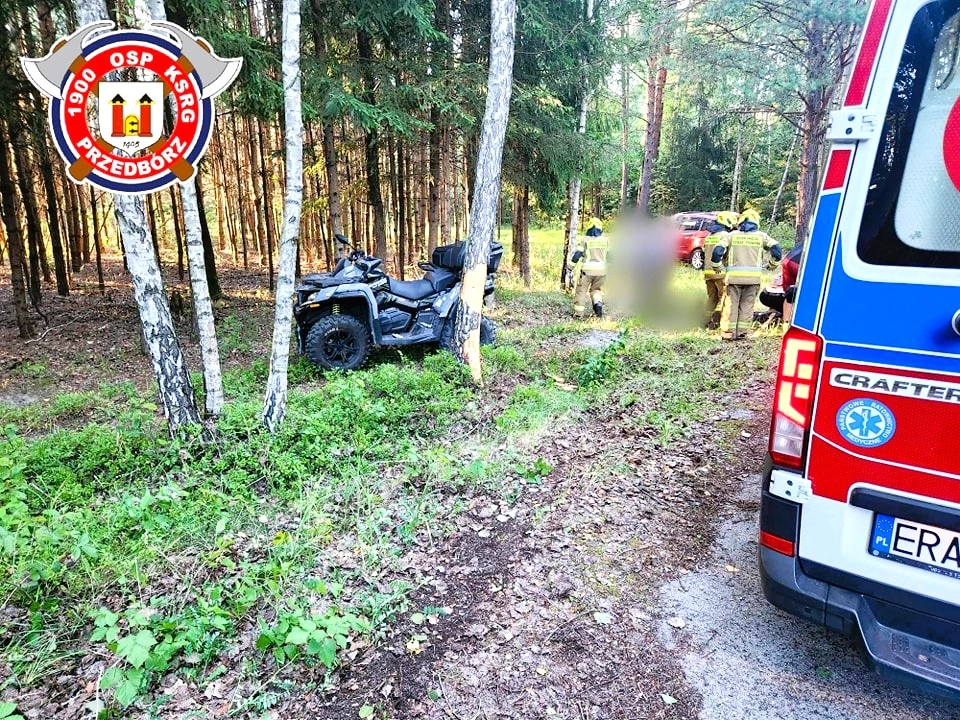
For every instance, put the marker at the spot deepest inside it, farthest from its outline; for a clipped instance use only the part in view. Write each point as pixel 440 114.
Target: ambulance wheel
pixel 697 258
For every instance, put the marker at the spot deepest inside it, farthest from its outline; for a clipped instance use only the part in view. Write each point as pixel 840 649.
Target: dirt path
pixel 566 605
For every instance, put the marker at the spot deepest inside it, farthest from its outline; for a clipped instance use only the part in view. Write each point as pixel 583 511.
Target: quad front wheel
pixel 338 342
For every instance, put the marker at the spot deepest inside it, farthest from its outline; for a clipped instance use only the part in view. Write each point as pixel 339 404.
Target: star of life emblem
pixel 866 423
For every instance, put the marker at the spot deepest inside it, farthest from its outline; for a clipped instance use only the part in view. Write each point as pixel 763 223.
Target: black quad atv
pixel 341 315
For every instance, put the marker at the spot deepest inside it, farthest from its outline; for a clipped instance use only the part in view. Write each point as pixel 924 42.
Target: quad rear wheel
pixel 338 342
pixel 488 330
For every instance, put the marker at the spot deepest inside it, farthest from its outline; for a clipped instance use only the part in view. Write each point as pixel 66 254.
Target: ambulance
pixel 860 511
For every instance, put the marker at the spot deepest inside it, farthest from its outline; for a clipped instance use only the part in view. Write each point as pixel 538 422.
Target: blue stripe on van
pixel 816 256
pixel 896 315
pixel 895 358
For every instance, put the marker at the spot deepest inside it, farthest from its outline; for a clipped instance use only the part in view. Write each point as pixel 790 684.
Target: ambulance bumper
pixel 903 637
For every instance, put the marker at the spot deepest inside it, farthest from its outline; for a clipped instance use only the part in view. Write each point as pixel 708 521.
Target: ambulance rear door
pixel 883 460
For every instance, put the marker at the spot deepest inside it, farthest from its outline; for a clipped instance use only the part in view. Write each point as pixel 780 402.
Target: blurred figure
pixel 744 250
pixel 641 273
pixel 713 278
pixel 592 259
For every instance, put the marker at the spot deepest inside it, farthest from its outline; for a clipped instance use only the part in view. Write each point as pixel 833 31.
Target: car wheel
pixel 697 259
pixel 338 342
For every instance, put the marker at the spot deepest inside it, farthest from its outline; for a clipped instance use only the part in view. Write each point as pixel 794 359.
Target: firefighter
pixel 744 250
pixel 712 278
pixel 592 259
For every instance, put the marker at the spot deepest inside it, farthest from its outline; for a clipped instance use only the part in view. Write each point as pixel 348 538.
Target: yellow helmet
pixel 749 215
pixel 727 218
pixel 595 223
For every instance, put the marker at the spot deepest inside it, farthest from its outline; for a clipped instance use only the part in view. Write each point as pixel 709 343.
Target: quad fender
pixel 446 301
pixel 320 301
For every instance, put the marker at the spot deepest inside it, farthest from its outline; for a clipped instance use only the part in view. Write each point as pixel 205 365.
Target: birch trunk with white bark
pixel 275 403
pixel 486 198
pixel 199 289
pixel 169 365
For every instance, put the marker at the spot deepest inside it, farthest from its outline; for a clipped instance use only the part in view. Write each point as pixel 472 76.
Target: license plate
pixel 912 543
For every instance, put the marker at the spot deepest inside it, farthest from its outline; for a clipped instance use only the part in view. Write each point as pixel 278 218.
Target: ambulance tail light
pixel 793 397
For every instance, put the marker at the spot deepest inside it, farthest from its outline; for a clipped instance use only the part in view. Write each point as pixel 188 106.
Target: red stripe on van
pixel 837 169
pixel 872 36
pixel 923 444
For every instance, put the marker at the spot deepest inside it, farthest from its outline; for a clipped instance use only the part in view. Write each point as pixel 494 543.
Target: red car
pixel 693 229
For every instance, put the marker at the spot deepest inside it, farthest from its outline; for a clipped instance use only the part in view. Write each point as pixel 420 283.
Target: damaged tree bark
pixel 483 213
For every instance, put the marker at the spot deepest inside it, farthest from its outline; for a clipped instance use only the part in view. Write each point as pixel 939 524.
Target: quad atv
pixel 342 315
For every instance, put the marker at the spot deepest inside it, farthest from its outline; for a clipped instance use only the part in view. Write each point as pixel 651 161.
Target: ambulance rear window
pixel 912 213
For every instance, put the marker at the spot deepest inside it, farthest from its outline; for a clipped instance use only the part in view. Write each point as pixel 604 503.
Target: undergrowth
pixel 158 554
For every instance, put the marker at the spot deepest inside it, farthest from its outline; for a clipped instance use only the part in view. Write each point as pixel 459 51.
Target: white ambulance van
pixel 860 515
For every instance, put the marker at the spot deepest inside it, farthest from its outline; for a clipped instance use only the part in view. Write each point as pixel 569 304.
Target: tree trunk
pixel 737 169
pixel 267 204
pixel 487 186
pixel 401 210
pixel 436 180
pixel 573 196
pixel 15 249
pixel 169 366
pixel 330 159
pixel 73 223
pixel 524 236
pixel 97 244
pixel 624 131
pixel 783 179
pixel 53 223
pixel 371 143
pixel 198 250
pixel 814 127
pixel 656 81
pixel 32 215
pixel 209 258
pixel 274 407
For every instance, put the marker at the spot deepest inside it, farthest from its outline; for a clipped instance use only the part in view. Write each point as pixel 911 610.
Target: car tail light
pixel 793 396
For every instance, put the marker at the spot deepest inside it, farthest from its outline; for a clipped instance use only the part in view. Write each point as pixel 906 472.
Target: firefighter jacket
pixel 710 242
pixel 594 255
pixel 745 251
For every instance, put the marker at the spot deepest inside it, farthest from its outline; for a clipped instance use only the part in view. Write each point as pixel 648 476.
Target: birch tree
pixel 199 289
pixel 486 197
pixel 169 366
pixel 275 403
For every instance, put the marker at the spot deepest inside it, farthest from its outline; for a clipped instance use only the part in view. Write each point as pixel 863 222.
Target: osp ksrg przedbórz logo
pixel 107 96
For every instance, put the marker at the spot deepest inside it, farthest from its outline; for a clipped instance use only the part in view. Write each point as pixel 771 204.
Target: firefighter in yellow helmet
pixel 744 250
pixel 591 255
pixel 725 221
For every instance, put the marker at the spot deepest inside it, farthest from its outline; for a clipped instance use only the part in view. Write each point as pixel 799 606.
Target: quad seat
pixel 412 289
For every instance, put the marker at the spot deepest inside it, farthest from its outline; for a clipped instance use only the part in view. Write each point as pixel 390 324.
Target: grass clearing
pixel 127 557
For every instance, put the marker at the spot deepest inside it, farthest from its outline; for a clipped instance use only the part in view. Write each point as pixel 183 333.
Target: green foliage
pixel 603 365
pixel 297 634
pixel 8 711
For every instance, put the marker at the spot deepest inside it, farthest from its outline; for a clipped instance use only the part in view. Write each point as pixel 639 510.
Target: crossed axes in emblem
pixel 49 73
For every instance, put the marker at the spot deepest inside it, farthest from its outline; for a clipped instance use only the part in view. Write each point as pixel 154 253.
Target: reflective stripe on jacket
pixel 595 256
pixel 745 255
pixel 709 244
